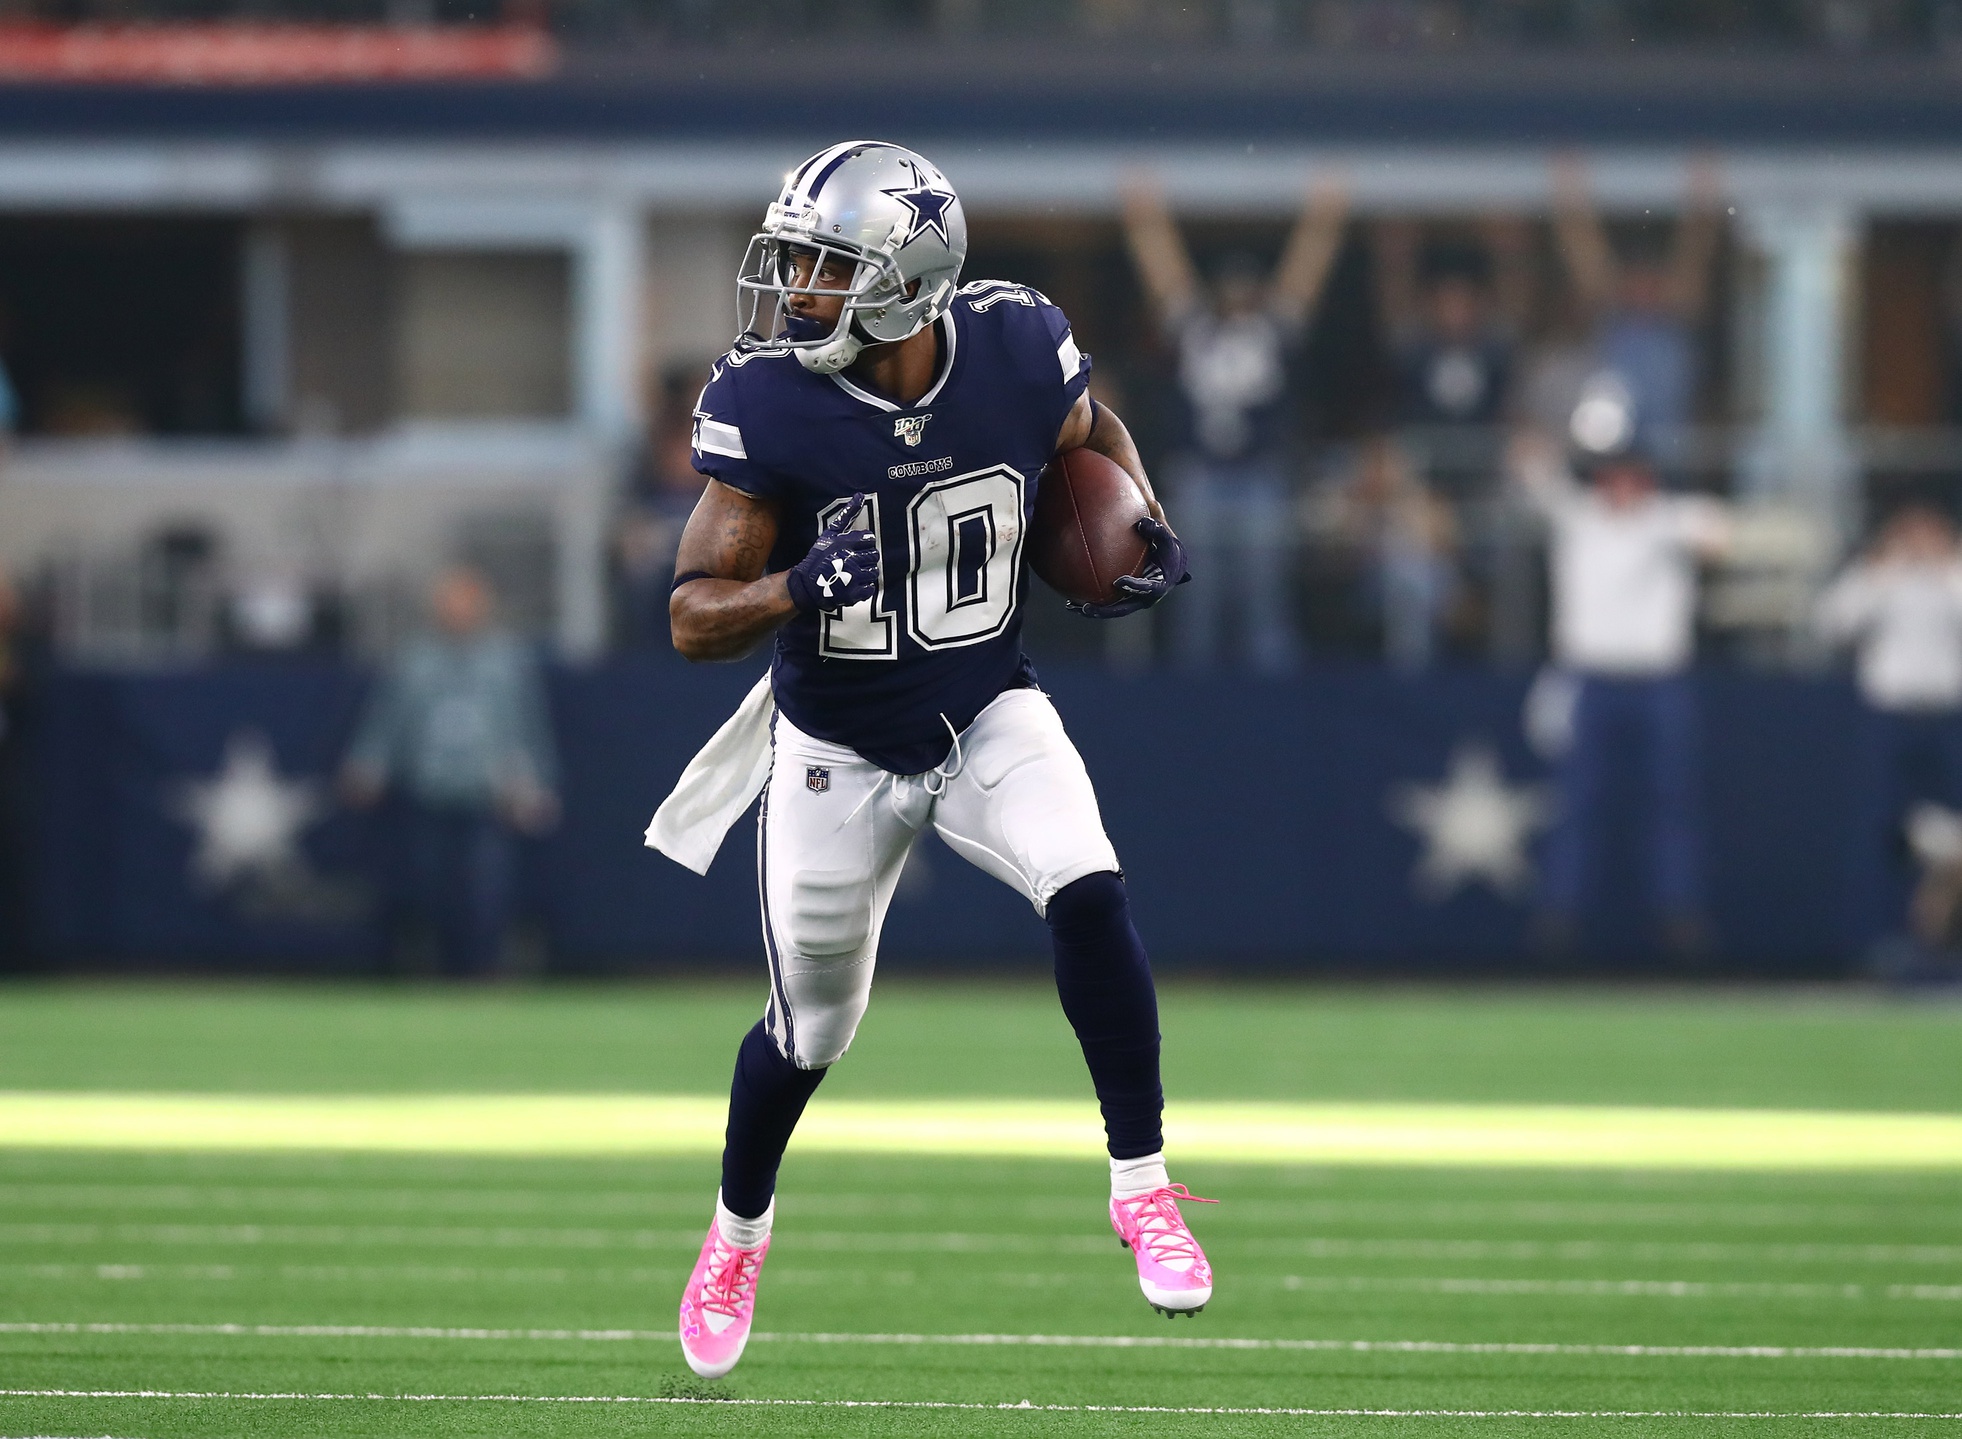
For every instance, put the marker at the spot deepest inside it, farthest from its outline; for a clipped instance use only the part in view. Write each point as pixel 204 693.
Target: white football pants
pixel 835 830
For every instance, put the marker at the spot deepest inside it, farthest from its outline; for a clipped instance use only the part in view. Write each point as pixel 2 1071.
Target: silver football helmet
pixel 886 212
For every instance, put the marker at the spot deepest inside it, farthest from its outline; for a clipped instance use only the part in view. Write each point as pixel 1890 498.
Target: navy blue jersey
pixel 950 484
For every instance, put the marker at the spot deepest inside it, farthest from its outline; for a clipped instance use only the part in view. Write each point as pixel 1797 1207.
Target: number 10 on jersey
pixel 963 538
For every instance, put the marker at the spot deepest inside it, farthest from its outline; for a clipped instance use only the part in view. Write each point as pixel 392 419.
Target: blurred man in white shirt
pixel 1900 606
pixel 1624 561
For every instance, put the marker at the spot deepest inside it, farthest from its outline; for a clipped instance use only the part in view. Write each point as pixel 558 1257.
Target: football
pixel 1085 535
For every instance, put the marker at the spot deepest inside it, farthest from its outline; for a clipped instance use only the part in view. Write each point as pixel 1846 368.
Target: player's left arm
pixel 1096 427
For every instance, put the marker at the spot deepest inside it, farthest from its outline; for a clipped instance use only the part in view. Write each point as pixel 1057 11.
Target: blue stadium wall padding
pixel 1253 817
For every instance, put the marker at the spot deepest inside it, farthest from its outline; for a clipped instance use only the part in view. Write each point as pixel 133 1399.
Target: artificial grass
pixel 911 1246
pixel 1720 1048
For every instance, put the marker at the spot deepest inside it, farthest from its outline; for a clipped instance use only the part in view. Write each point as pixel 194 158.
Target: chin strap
pixel 832 356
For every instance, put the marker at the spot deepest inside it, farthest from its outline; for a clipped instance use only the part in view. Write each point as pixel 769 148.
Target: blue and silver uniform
pixel 950 484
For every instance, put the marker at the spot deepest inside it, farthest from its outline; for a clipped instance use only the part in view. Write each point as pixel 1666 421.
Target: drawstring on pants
pixel 940 771
pixel 934 781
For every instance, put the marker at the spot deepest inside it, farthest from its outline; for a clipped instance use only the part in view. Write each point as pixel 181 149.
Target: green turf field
pixel 310 1292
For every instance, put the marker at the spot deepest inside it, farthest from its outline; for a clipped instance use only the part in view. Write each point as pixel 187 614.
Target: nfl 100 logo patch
pixel 910 428
pixel 817 779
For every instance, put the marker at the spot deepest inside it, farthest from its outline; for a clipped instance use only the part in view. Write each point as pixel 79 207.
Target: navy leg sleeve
pixel 1104 980
pixel 766 1100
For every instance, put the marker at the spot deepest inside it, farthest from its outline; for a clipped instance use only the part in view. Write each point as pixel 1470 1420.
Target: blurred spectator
pixel 1231 484
pixel 1407 536
pixel 661 493
pixel 1554 371
pixel 14 705
pixel 9 397
pixel 459 725
pixel 1644 307
pixel 1901 606
pixel 1623 560
pixel 1452 312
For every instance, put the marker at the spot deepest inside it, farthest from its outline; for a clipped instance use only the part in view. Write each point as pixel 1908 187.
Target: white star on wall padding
pixel 1474 826
pixel 248 820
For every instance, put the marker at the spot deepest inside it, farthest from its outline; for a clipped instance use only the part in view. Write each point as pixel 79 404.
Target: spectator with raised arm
pixel 1900 607
pixel 1643 308
pixel 1452 313
pixel 1623 558
pixel 1233 481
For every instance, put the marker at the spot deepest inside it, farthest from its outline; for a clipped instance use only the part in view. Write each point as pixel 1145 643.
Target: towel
pixel 718 784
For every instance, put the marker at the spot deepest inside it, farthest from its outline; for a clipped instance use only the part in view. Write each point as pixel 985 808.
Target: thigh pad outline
pixel 830 913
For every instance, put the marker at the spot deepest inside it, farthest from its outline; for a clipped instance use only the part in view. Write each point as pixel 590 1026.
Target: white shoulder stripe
pixel 1070 357
pixel 712 437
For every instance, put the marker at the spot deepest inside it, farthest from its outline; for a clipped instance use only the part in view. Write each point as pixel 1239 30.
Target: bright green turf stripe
pixel 1551 1136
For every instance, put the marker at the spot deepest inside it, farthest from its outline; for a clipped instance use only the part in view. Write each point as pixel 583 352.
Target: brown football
pixel 1085 533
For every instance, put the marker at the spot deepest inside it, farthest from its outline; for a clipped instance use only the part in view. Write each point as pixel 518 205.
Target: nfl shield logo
pixel 817 779
pixel 910 428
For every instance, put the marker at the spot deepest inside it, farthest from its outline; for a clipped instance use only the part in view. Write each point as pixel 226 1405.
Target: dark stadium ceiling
pixel 1009 93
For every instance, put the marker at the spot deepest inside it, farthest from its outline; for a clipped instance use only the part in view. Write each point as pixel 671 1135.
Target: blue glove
pixel 1164 571
pixel 841 569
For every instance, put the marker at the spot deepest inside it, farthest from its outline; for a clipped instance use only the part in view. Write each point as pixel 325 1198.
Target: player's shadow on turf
pixel 686 1386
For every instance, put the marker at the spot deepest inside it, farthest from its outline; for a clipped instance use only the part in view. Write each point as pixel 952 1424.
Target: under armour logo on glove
pixel 1164 571
pixel 842 568
pixel 839 575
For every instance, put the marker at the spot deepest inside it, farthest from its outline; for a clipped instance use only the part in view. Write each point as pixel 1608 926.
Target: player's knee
pixel 827 1020
pixel 1087 907
pixel 830 914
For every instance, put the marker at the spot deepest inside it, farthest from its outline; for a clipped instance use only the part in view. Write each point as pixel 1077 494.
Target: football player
pixel 873 443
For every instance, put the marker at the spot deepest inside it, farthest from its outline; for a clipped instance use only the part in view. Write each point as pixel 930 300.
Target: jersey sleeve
pixel 1072 365
pixel 718 447
pixel 1049 367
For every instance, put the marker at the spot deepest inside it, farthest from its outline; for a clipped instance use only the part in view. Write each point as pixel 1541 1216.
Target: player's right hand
pixel 841 569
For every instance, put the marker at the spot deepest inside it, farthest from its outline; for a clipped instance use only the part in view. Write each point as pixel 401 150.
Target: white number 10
pixel 964 569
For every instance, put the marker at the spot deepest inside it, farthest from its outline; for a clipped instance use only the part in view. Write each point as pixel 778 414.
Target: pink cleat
pixel 1172 1268
pixel 718 1304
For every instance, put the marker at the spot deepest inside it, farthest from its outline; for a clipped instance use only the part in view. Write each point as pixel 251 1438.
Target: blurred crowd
pixel 1474 364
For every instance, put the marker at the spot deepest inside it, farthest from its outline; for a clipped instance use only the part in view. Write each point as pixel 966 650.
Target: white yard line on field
pixel 1381 1346
pixel 1023 1406
pixel 1286 1215
pixel 1486 1286
pixel 1046 1341
pixel 686 1241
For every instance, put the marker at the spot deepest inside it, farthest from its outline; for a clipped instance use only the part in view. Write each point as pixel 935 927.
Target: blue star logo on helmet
pixel 929 207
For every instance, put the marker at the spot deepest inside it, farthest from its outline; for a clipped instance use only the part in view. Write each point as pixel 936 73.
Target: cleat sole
pixel 1171 1313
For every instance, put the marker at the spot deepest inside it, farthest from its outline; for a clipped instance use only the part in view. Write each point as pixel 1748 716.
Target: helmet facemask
pixel 768 282
pixel 860 224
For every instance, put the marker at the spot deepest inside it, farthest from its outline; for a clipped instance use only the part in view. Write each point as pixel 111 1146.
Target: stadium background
pixel 289 332
pixel 304 301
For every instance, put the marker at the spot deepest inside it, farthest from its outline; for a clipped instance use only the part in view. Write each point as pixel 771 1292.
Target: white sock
pixel 743 1233
pixel 1131 1177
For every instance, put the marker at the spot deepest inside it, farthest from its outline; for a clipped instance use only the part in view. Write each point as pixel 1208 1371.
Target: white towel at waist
pixel 718 784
